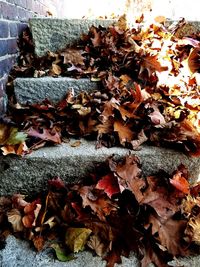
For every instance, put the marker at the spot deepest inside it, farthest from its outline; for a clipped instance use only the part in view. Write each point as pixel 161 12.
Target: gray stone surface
pixel 31 173
pixel 51 34
pixel 18 253
pixel 36 90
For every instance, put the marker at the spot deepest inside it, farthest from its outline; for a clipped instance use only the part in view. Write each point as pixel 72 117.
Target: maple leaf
pixel 128 173
pixel 152 64
pixel 170 233
pixel 99 204
pixel 109 184
pixel 157 197
pixel 76 238
pixel 45 135
pixel 150 256
pixel 124 132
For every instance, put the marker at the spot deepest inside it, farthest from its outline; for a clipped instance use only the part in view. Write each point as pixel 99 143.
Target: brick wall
pixel 14 15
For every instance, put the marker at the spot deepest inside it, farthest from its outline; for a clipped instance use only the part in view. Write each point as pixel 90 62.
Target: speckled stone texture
pixel 51 34
pixel 30 174
pixel 35 90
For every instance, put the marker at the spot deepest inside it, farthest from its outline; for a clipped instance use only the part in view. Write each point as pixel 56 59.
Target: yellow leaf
pixel 56 70
pixel 76 238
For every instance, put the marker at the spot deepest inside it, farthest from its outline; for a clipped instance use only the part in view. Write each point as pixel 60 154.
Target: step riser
pixel 55 34
pixel 35 90
pixel 31 173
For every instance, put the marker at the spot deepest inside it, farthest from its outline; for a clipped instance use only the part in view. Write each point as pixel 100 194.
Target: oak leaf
pixel 45 135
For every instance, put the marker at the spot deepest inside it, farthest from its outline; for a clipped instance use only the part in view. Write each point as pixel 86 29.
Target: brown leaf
pixel 193 60
pixel 152 64
pixel 124 132
pixel 96 40
pixel 19 150
pixel 193 229
pixel 158 197
pixel 180 183
pixel 129 176
pixel 99 204
pixel 56 69
pixel 15 218
pixel 170 233
pixel 97 245
pixel 73 56
pixel 45 135
pixel 76 143
pixel 38 242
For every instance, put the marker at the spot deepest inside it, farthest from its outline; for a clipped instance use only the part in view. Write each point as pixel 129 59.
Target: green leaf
pixel 76 238
pixel 61 253
pixel 15 137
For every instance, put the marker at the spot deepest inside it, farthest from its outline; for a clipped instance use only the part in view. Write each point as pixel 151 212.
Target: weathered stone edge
pixel 55 34
pixel 31 173
pixel 35 90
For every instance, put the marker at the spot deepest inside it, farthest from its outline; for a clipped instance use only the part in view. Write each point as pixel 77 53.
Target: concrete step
pixel 35 90
pixel 30 173
pixel 51 34
pixel 18 253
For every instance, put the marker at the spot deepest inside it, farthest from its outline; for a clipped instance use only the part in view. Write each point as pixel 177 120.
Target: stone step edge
pixel 35 90
pixel 51 34
pixel 56 34
pixel 30 173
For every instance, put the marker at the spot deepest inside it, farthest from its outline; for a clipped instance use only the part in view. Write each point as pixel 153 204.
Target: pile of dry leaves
pixel 148 90
pixel 113 212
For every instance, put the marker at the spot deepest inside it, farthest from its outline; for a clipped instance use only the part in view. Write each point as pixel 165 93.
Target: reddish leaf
pixel 100 204
pixel 46 135
pixel 57 183
pixel 109 184
pixel 180 183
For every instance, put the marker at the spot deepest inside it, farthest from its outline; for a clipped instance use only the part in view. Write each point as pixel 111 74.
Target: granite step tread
pixel 30 173
pixel 35 90
pixel 18 253
pixel 51 34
